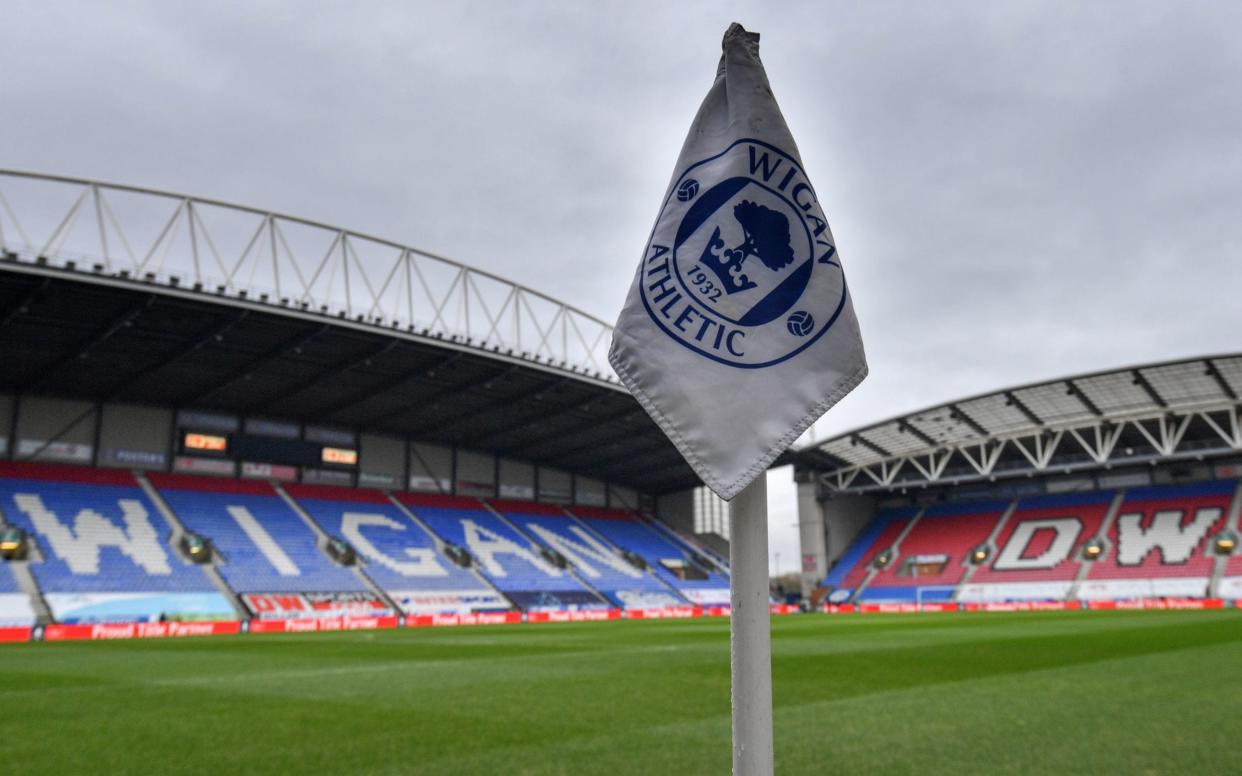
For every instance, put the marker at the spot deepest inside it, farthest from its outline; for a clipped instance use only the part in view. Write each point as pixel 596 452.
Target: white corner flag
pixel 738 332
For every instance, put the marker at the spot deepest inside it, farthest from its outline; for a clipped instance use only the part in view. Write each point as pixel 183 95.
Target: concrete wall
pixel 555 485
pixel 6 422
pixel 517 479
pixel 381 461
pixel 431 468
pixel 677 510
pixel 811 537
pixel 590 491
pixel 476 474
pixel 622 498
pixel 135 437
pixel 55 430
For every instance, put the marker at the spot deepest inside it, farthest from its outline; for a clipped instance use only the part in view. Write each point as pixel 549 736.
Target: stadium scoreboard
pixel 267 449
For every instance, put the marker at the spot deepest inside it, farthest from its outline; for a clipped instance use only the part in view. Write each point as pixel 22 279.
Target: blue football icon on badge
pixel 741 259
pixel 800 323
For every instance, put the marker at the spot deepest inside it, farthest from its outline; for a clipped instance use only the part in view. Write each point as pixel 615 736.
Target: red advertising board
pixel 588 615
pixel 669 612
pixel 475 618
pixel 1021 606
pixel 8 635
pixel 1160 603
pixel 139 630
pixel 323 624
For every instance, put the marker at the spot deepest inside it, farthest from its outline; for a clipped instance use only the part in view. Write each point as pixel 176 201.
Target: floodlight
pixel 196 547
pixel 342 552
pixel 1225 542
pixel 1093 549
pixel 980 554
pixel 13 544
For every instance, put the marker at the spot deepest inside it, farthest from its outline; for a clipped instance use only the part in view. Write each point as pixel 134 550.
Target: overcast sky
pixel 1018 191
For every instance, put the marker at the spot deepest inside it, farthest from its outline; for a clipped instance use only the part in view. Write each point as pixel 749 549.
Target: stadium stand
pixel 511 562
pixel 596 560
pixel 931 559
pixel 687 543
pixel 1038 552
pixel 269 555
pixel 104 553
pixel 1159 542
pixel 670 562
pixel 880 534
pixel 401 557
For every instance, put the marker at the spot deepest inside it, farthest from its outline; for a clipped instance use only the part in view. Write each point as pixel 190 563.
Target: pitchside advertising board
pixel 646 599
pixel 708 596
pixel 289 606
pixel 448 601
pixel 138 607
pixel 560 600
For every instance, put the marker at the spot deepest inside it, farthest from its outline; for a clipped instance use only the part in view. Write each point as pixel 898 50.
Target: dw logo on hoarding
pixel 741 266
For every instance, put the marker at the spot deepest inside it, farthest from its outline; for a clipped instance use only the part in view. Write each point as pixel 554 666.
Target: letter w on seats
pixel 79 546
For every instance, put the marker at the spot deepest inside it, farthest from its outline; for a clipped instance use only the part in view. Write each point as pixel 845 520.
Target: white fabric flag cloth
pixel 738 332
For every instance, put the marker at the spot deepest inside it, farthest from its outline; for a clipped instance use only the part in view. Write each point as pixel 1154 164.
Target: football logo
pixel 741 266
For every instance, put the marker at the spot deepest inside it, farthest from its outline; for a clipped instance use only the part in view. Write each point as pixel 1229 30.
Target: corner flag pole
pixel 750 626
pixel 696 359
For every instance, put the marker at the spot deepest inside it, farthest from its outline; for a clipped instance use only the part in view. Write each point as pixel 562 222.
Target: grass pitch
pixel 1072 692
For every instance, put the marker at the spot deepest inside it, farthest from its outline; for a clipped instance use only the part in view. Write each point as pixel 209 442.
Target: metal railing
pixel 140 235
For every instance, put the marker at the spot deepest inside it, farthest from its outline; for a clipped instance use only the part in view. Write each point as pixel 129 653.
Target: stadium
pixel 219 420
pixel 1105 489
pixel 352 440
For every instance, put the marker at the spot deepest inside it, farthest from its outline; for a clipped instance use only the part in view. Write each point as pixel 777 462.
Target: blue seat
pixel 631 533
pixel 294 565
pixel 398 553
pixel 596 559
pixel 105 550
pixel 98 538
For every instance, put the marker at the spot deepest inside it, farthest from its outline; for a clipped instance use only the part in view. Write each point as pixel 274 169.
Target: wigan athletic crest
pixel 738 330
pixel 741 267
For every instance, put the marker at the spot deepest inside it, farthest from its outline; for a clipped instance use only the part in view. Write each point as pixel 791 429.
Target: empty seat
pixel 597 560
pixel 631 532
pixel 105 550
pixel 398 554
pixel 510 561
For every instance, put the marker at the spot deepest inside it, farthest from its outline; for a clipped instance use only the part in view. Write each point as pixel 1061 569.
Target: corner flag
pixel 738 332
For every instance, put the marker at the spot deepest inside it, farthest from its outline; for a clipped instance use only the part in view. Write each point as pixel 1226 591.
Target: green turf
pixel 1074 692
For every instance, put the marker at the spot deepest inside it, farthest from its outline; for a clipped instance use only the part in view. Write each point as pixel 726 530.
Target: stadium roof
pixel 115 293
pixel 1169 410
